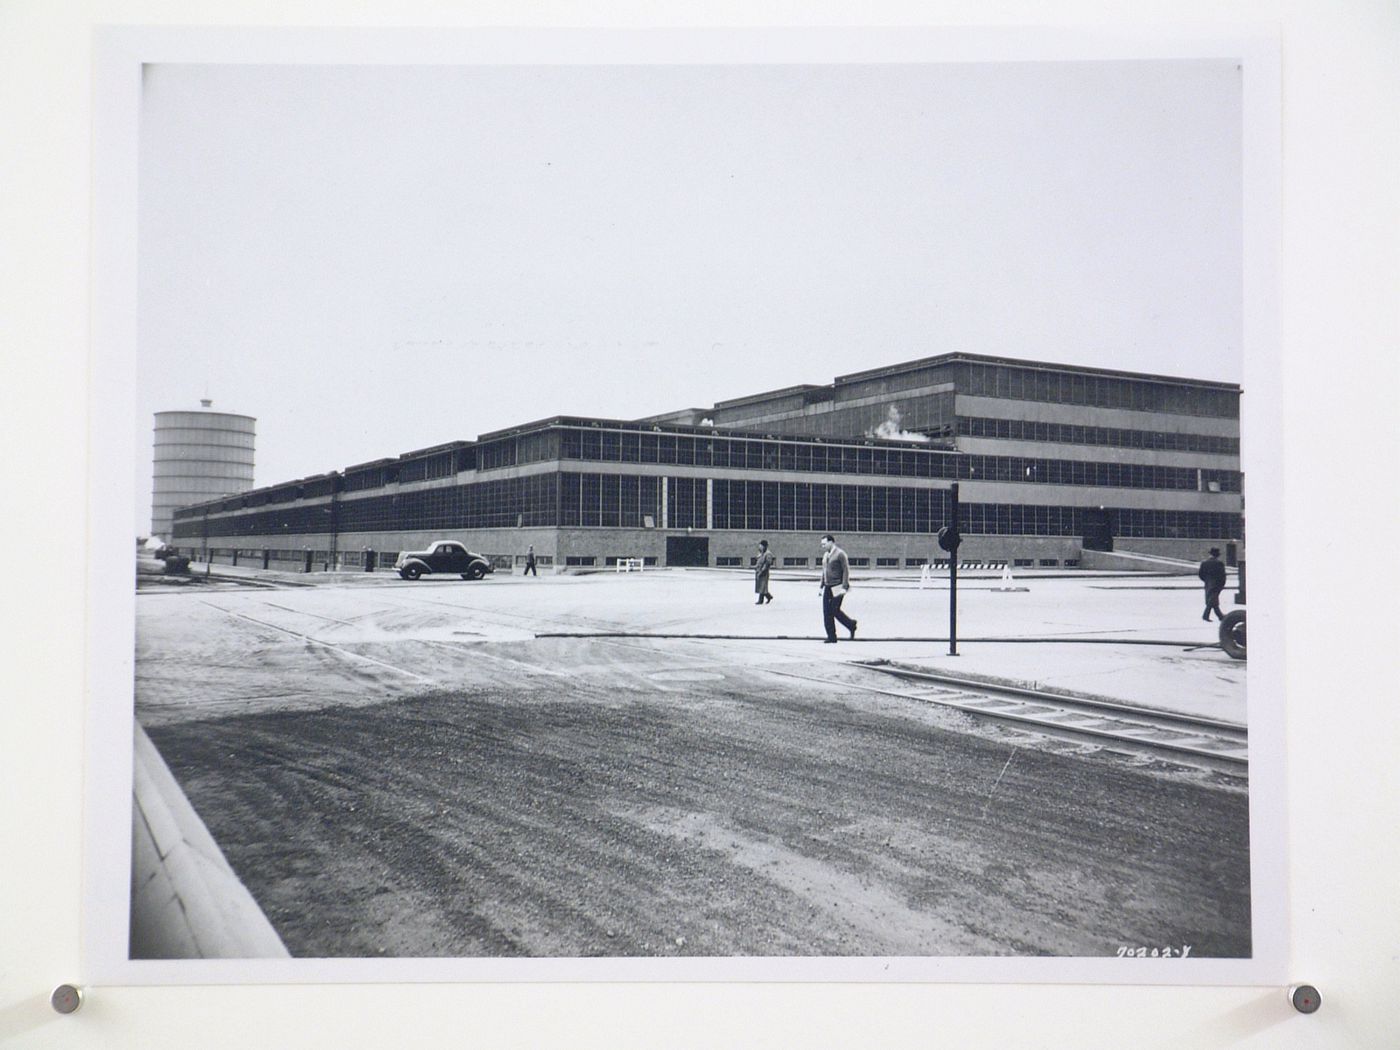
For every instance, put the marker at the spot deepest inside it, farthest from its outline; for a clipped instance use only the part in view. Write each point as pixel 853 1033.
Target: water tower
pixel 198 456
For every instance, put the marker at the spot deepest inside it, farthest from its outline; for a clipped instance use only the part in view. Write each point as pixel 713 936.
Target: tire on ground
pixel 1232 634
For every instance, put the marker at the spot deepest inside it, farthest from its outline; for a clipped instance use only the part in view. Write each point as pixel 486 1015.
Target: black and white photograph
pixel 696 509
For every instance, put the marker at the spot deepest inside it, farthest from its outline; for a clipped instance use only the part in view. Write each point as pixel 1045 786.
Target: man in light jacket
pixel 836 581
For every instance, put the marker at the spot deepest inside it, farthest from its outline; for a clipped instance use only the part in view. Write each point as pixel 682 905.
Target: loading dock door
pixel 688 550
pixel 1098 530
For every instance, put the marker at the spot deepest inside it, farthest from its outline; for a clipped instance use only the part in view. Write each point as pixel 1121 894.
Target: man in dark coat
pixel 836 581
pixel 530 569
pixel 1212 574
pixel 761 569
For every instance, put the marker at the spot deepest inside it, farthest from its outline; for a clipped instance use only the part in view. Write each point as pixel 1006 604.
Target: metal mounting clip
pixel 66 998
pixel 1305 998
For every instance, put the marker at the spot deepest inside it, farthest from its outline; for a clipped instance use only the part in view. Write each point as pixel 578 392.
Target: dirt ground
pixel 414 791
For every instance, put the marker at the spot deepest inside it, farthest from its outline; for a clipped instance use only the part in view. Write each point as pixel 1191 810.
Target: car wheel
pixel 411 573
pixel 1232 634
pixel 476 572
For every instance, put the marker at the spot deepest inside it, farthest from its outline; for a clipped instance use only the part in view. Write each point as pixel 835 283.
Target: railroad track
pixel 1204 743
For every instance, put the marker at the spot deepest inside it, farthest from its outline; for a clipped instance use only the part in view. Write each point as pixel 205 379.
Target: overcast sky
pixel 372 260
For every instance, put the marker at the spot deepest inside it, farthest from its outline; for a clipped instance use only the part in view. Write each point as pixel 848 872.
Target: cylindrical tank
pixel 198 456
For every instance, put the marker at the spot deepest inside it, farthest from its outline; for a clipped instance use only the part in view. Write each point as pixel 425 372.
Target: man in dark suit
pixel 836 581
pixel 761 568
pixel 1212 574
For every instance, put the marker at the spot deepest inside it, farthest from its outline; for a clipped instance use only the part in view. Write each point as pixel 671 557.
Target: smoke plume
pixel 890 429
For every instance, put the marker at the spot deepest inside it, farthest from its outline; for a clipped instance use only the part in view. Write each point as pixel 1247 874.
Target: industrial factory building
pixel 1051 461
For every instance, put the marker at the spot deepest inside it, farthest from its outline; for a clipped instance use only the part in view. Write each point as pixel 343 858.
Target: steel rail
pixel 1040 640
pixel 1044 696
pixel 1220 748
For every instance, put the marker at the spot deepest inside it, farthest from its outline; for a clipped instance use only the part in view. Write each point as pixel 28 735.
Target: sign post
pixel 949 537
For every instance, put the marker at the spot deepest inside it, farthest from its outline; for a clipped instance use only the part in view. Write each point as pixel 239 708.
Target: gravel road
pixel 559 797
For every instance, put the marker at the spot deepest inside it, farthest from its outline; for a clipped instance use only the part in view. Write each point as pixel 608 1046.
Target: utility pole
pixel 335 523
pixel 949 537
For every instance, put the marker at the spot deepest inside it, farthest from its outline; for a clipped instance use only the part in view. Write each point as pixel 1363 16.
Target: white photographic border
pixel 122 53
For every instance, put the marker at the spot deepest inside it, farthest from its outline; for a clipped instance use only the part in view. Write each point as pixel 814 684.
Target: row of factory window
pixel 1112 437
pixel 863 459
pixel 1078 388
pixel 637 446
pixel 754 454
pixel 439 465
pixel 802 507
pixel 634 446
pixel 447 501
pixel 629 501
pixel 445 463
pixel 1057 387
pixel 927 414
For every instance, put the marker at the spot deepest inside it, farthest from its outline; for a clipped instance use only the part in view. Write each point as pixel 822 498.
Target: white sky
pixel 372 260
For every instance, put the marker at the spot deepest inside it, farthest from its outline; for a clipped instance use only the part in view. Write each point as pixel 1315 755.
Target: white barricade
pixel 1008 582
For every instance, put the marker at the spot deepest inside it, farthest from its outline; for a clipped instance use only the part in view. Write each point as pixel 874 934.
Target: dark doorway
pixel 687 550
pixel 1098 530
pixel 1232 554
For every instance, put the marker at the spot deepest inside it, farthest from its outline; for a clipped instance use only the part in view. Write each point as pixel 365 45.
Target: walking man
pixel 1212 574
pixel 530 562
pixel 761 567
pixel 836 581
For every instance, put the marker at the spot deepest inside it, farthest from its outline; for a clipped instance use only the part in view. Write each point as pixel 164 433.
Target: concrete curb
pixel 931 639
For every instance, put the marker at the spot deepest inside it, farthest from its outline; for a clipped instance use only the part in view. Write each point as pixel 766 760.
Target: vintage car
pixel 442 556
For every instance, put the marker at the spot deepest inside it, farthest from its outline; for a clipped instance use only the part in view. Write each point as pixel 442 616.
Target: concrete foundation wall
pixel 1193 551
pixel 506 547
pixel 553 547
pixel 1116 561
